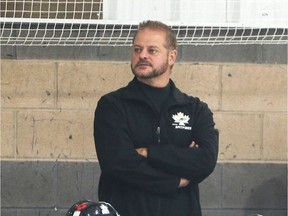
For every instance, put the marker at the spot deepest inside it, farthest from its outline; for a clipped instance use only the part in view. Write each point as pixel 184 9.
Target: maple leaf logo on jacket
pixel 181 119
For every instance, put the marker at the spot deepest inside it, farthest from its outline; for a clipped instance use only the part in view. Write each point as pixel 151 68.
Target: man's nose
pixel 143 54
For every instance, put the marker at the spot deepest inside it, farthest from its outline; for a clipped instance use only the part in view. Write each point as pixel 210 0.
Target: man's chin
pixel 144 74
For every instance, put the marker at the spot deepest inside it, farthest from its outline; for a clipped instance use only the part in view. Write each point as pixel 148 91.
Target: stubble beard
pixel 152 74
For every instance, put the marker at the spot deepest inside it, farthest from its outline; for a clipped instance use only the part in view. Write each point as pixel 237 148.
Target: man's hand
pixel 142 151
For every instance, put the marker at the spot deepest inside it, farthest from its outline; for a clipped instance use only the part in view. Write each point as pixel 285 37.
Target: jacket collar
pixel 133 92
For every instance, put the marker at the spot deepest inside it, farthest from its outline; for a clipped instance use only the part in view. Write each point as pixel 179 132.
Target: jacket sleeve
pixel 194 164
pixel 117 155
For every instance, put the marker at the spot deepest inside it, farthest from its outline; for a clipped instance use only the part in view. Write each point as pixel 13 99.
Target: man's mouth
pixel 143 64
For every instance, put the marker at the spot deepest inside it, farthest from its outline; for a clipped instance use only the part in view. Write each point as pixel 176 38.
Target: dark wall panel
pixel 50 188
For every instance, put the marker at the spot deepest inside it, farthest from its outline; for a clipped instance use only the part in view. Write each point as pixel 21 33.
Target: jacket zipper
pixel 158 134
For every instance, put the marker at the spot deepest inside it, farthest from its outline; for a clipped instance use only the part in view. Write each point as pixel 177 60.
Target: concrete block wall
pixel 48 158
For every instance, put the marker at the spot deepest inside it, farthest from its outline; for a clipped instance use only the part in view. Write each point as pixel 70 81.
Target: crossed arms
pixel 183 181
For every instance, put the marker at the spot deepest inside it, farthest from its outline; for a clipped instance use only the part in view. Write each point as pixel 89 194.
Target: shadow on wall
pixel 270 197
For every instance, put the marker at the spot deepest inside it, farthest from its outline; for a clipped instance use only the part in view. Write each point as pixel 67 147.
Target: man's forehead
pixel 149 31
pixel 150 38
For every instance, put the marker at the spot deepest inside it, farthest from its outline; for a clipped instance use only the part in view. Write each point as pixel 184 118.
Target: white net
pixel 114 22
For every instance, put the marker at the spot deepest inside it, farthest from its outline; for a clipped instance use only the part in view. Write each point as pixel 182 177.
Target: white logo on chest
pixel 180 121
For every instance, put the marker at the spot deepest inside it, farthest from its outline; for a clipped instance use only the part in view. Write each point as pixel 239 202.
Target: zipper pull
pixel 158 134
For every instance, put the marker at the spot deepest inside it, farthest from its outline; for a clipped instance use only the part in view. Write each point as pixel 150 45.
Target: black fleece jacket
pixel 137 186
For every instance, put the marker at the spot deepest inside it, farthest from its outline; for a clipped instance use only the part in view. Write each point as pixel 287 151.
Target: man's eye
pixel 137 50
pixel 152 51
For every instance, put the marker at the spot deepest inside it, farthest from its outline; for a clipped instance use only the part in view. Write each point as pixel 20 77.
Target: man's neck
pixel 157 82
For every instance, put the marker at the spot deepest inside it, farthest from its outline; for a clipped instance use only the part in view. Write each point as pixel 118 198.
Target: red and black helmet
pixel 90 208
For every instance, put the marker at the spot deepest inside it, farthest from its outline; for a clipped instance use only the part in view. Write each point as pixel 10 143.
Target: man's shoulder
pixel 195 101
pixel 120 94
pixel 129 91
pixel 115 93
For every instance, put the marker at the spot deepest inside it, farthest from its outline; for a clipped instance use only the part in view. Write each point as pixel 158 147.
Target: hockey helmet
pixel 90 208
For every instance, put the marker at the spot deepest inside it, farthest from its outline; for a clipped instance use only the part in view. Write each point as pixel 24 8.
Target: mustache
pixel 143 62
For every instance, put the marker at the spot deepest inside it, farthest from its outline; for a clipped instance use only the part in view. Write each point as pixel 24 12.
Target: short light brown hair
pixel 156 25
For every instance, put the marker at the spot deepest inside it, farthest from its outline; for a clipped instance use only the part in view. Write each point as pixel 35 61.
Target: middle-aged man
pixel 154 143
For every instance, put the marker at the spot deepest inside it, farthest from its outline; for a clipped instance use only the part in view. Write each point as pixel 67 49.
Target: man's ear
pixel 172 56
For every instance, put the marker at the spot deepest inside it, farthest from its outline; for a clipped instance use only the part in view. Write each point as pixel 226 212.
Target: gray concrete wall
pixel 48 97
pixel 49 188
pixel 260 54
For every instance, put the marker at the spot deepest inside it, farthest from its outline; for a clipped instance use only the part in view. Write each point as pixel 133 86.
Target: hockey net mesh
pixel 114 22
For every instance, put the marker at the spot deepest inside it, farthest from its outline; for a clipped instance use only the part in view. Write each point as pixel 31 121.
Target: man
pixel 154 143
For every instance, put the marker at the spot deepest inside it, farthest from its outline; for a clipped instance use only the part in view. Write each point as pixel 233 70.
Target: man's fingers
pixel 183 182
pixel 142 151
pixel 193 144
